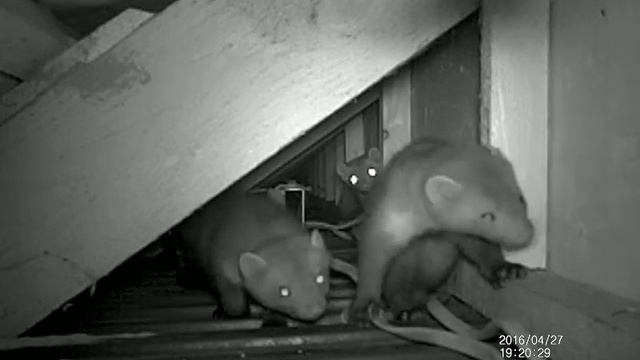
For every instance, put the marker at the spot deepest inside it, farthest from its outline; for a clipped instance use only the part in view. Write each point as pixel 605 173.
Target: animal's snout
pixel 313 310
pixel 522 237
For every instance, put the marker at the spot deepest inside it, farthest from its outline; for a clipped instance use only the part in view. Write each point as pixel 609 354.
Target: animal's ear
pixel 251 264
pixel 316 239
pixel 440 188
pixel 375 154
pixel 343 170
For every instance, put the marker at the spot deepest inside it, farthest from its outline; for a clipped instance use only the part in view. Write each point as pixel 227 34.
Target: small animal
pixel 436 184
pixel 425 264
pixel 356 179
pixel 247 246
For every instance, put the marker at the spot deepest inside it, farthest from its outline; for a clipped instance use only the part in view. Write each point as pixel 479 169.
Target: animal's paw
pixel 506 271
pixel 218 314
pixel 358 317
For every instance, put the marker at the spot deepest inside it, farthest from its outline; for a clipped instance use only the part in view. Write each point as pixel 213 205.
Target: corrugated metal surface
pixel 166 321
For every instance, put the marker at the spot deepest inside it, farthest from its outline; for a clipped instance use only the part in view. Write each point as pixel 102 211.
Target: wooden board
pixel 396 112
pixel 7 83
pixel 445 83
pixel 29 37
pixel 122 148
pixel 84 51
pixel 515 49
pixel 593 324
pixel 340 140
pixel 354 138
pixel 330 170
pixel 321 174
pixel 371 126
pixel 297 152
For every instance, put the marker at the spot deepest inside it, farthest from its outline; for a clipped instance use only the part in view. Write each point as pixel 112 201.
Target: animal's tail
pixel 463 338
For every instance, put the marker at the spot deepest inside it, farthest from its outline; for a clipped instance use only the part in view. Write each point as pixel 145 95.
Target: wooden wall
pixel 445 85
pixel 436 94
pixel 121 148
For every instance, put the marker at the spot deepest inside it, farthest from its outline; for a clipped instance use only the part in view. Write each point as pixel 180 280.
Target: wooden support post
pixel 125 146
pixel 396 112
pixel 515 49
pixel 354 138
pixel 340 147
pixel 330 170
pixel 585 322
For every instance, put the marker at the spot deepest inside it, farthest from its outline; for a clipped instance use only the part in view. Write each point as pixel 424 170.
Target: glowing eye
pixel 372 172
pixel 284 291
pixel 488 216
pixel 353 179
pixel 320 279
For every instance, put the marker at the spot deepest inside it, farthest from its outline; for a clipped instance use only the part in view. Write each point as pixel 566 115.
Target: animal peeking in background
pixel 356 179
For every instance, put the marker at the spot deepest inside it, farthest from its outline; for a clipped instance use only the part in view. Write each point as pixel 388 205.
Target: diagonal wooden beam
pixel 123 147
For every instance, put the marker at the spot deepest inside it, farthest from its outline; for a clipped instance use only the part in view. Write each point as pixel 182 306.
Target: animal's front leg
pixel 490 262
pixel 233 302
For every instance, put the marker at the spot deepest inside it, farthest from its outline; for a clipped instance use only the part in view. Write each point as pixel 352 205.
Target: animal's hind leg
pixel 372 263
pixel 489 260
pixel 233 302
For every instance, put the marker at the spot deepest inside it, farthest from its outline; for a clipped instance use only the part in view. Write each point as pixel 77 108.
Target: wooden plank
pixel 7 83
pixel 445 82
pixel 84 51
pixel 515 48
pixel 123 147
pixel 330 170
pixel 396 112
pixel 320 163
pixel 594 324
pixel 371 126
pixel 340 141
pixel 594 150
pixel 29 37
pixel 354 138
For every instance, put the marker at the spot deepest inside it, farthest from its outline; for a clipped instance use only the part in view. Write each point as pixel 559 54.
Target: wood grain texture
pixel 340 140
pixel 330 170
pixel 84 51
pixel 354 138
pixel 445 83
pixel 396 113
pixel 593 323
pixel 515 50
pixel 29 36
pixel 123 147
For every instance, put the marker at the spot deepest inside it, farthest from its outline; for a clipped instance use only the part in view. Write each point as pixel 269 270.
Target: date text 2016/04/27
pixel 529 340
